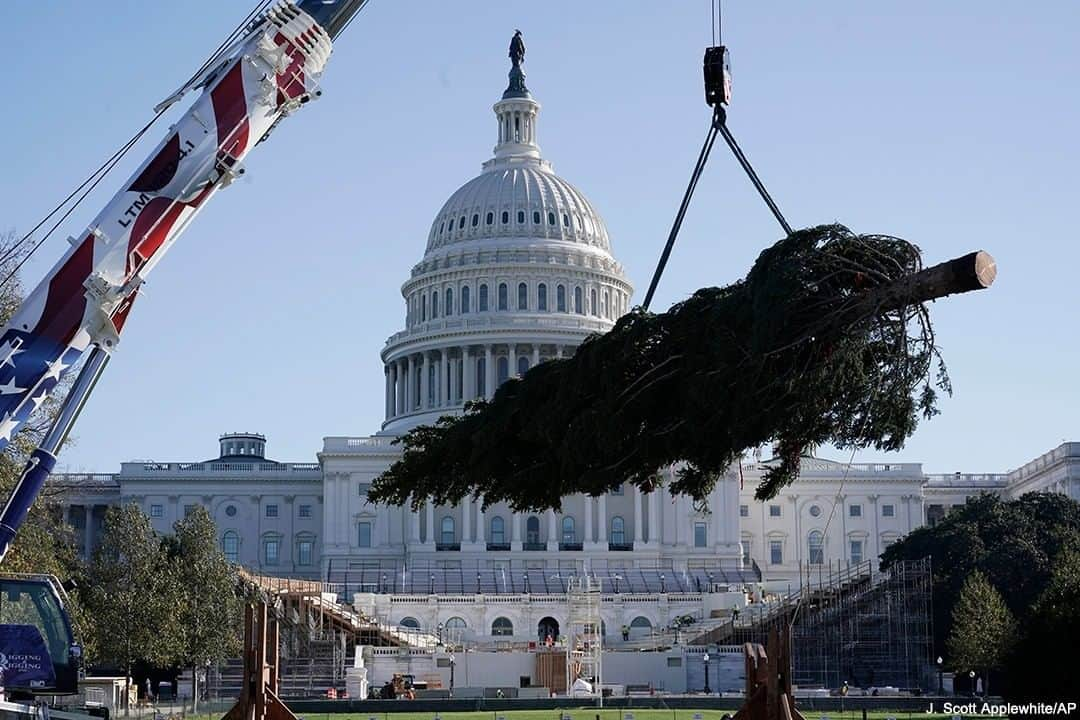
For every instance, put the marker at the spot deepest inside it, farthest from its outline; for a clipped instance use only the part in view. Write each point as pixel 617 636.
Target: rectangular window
pixel 744 511
pixel 776 552
pixel 303 552
pixel 156 511
pixel 854 510
pixel 888 511
pixel 305 511
pixel 188 509
pixel 270 552
pixel 856 551
pixel 271 511
pixel 700 534
pixel 363 489
pixel 363 535
pixel 745 552
pixel 774 511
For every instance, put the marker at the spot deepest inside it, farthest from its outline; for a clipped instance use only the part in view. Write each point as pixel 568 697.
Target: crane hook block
pixel 717 67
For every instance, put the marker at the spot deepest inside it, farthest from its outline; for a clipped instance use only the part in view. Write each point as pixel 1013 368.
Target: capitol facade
pixel 519 269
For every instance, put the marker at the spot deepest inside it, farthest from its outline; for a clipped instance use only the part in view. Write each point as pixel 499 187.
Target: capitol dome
pixel 518 270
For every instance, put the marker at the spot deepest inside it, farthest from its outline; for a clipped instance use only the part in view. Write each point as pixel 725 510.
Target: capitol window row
pixel 559 297
pixel 567 222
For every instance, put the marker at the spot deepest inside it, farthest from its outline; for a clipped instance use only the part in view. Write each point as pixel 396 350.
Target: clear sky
pixel 951 124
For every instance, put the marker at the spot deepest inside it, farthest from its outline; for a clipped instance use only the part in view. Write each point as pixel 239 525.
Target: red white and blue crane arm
pixel 84 301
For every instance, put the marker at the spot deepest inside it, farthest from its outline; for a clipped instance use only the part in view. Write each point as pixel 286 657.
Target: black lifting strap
pixel 719 125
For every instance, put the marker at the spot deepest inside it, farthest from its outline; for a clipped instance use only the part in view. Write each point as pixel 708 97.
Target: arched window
pixel 483 303
pixel 521 216
pixel 532 529
pixel 536 217
pixel 441 225
pixel 523 365
pixel 455 623
pixel 475 219
pixel 817 548
pixel 592 302
pixel 481 377
pixel 461 223
pixel 230 545
pixel 565 220
pixel 447 534
pixel 409 622
pixel 523 296
pixel 568 534
pixel 448 306
pixel 502 627
pixel 505 217
pixel 423 308
pixel 434 305
pixel 502 370
pixel 504 294
pixel 465 299
pixel 606 307
pixel 640 627
pixel 618 530
pixel 560 298
pixel 498 530
pixel 490 218
pixel 541 297
pixel 579 305
pixel 551 218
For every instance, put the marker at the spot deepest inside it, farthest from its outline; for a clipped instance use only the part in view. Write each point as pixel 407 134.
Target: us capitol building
pixel 519 269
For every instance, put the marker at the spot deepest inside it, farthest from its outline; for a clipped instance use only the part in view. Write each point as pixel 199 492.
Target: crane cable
pixel 718 125
pixel 106 167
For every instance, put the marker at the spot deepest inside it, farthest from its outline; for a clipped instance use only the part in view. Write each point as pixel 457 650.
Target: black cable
pixel 703 157
pixel 760 186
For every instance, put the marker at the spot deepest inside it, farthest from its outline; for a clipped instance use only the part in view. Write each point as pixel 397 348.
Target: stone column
pixel 455 381
pixel 716 504
pixel 511 361
pixel 559 351
pixel 602 519
pixel 468 374
pixel 414 526
pixel 399 391
pixel 515 531
pixel 88 532
pixel 387 391
pixel 425 382
pixel 444 380
pixel 466 520
pixel 429 509
pixel 588 504
pixel 638 535
pixel 653 499
pixel 553 538
pixel 489 372
pixel 481 521
pixel 536 355
pixel 410 389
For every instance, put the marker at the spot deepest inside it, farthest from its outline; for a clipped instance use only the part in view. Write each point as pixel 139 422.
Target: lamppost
pixel 971 681
pixel 438 629
pixel 451 674
pixel 705 657
pixel 940 677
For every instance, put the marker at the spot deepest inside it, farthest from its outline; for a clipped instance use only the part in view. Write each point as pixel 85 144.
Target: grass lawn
pixel 590 713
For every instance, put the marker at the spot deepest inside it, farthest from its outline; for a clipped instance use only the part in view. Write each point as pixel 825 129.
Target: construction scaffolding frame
pixel 859 626
pixel 584 640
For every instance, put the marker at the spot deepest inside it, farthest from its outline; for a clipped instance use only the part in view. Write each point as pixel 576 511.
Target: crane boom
pixel 83 303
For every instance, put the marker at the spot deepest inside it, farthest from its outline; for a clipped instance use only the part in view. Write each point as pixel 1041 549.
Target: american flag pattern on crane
pixel 85 299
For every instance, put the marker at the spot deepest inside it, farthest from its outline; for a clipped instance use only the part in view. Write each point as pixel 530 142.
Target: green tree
pixel 209 611
pixel 1015 544
pixel 134 596
pixel 1036 670
pixel 983 630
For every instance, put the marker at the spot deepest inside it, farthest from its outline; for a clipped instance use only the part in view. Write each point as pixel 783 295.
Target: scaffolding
pixel 858 626
pixel 584 652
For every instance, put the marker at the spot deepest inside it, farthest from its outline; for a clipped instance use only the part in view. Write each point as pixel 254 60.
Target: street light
pixel 705 657
pixel 971 680
pixel 451 674
pixel 940 677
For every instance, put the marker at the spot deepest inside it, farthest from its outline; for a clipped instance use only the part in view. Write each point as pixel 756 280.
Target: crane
pixel 79 309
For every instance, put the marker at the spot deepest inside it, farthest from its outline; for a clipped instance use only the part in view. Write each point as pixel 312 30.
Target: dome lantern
pixel 517 111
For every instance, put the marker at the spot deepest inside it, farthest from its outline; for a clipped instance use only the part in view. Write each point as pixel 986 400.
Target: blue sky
pixel 950 124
